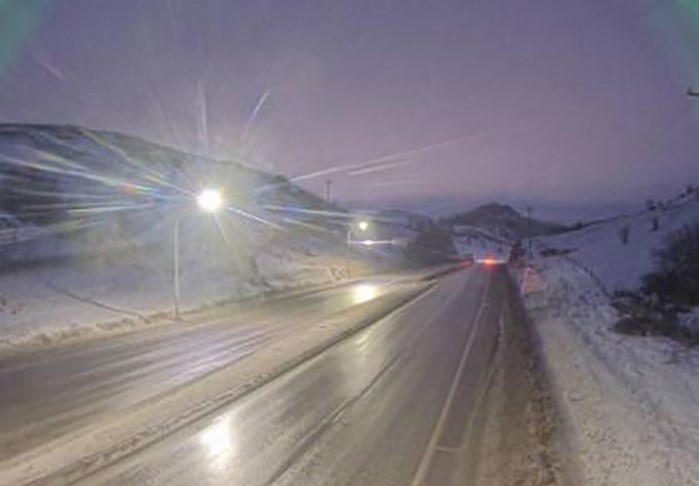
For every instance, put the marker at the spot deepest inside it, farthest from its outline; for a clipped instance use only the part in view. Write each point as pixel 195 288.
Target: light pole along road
pixel 210 201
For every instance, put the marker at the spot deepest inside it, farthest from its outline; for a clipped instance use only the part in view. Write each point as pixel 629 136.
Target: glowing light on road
pixel 217 441
pixel 210 200
pixel 363 225
pixel 364 293
pixel 374 242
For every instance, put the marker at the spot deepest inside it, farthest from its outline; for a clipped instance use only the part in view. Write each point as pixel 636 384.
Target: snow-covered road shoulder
pixel 631 404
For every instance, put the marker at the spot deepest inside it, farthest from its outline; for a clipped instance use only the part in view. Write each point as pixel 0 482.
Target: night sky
pixel 550 103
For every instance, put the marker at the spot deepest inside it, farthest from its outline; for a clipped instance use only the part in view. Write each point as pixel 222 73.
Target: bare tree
pixel 624 234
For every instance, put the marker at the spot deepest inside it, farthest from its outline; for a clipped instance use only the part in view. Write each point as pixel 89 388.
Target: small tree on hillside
pixel 676 276
pixel 433 245
pixel 624 234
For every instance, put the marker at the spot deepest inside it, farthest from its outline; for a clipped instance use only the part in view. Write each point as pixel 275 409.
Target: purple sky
pixel 559 103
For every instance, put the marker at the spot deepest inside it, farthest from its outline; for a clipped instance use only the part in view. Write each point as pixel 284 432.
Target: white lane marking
pixel 486 383
pixel 447 449
pixel 431 448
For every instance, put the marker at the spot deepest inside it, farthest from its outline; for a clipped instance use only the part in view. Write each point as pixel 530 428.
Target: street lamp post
pixel 176 269
pixel 210 201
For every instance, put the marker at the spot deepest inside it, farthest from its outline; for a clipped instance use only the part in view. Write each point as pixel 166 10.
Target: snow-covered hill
pixel 600 248
pixel 73 178
pixel 88 230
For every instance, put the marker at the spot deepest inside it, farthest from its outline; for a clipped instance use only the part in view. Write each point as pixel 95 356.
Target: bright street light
pixel 357 226
pixel 210 200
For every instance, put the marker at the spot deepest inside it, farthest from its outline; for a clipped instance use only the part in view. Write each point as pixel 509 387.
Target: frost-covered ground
pixel 630 404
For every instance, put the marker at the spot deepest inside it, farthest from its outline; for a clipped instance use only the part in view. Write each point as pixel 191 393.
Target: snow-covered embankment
pixel 630 404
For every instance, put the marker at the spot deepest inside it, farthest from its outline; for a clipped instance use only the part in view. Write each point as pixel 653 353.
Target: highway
pixel 392 403
pixel 48 393
pixel 389 405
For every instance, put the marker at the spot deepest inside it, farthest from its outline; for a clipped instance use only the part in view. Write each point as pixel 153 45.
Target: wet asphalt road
pixel 371 410
pixel 48 393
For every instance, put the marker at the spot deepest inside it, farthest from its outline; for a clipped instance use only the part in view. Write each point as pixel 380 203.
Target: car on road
pixel 467 260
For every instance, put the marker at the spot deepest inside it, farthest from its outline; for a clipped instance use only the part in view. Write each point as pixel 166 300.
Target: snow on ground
pixel 46 305
pixel 630 405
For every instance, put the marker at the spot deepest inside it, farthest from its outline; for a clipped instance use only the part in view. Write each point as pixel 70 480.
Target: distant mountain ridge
pixel 503 222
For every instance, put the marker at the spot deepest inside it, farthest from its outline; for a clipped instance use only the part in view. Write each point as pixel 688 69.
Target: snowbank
pixel 48 305
pixel 631 404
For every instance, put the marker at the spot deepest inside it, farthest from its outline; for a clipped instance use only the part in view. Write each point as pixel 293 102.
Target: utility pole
pixel 328 184
pixel 529 231
pixel 176 266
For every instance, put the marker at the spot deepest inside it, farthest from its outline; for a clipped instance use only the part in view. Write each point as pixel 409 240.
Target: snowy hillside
pixel 89 221
pixel 59 174
pixel 630 402
pixel 599 246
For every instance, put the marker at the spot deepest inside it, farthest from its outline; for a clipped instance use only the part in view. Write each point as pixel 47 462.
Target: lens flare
pixel 210 200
